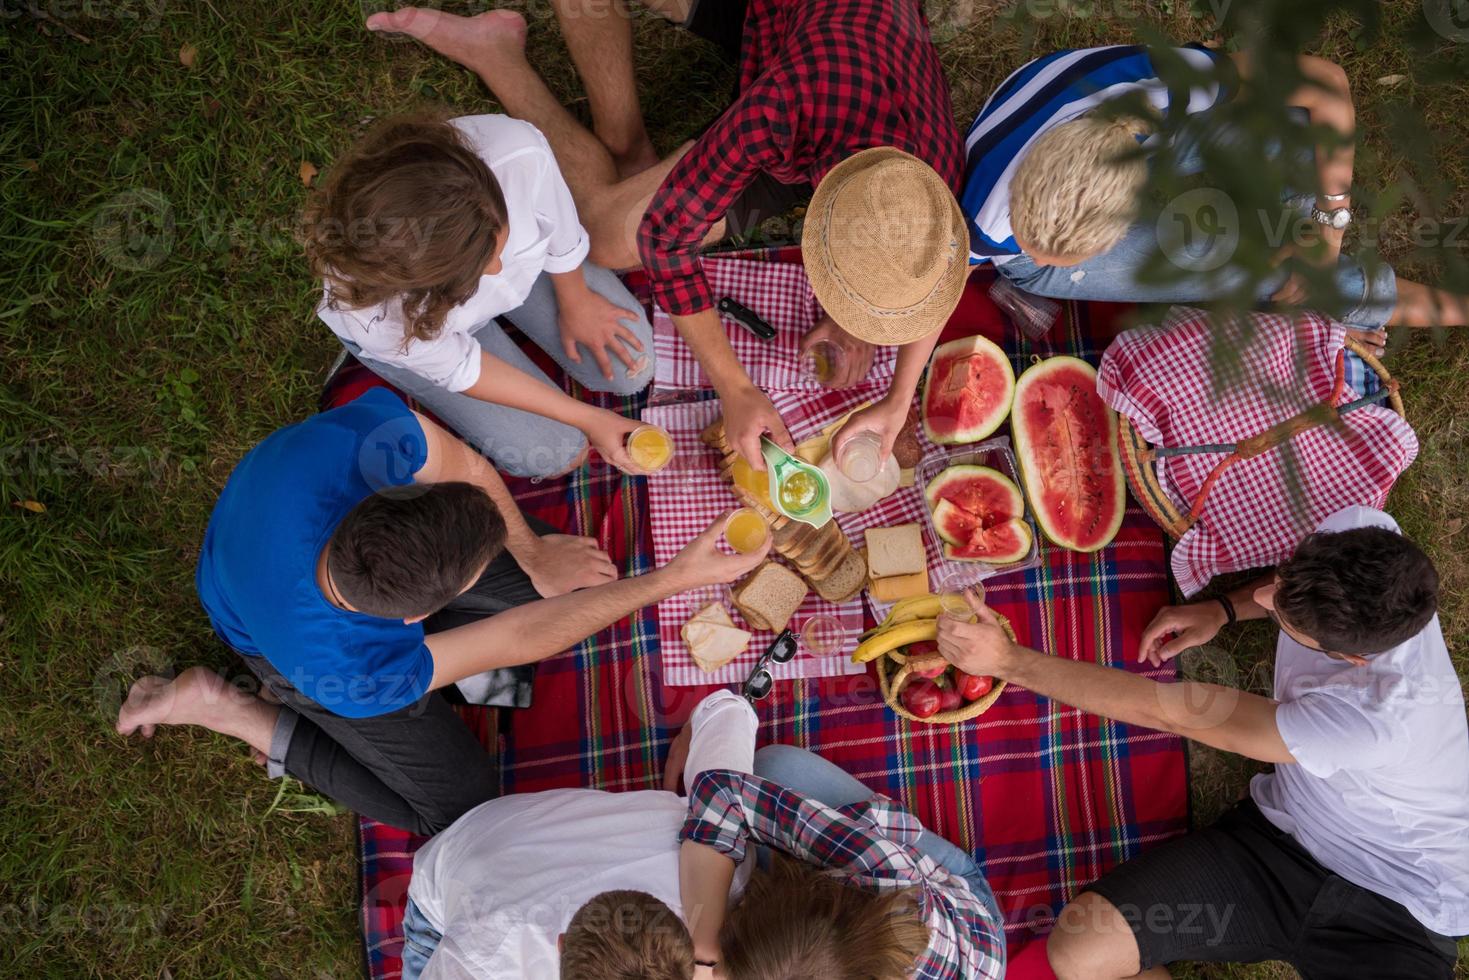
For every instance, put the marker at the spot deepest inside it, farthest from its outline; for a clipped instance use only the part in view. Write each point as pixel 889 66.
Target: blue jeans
pixel 419 942
pixel 812 776
pixel 1366 297
pixel 522 443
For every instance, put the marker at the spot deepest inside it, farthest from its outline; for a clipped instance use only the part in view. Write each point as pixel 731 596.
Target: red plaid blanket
pixel 1047 798
pixel 1195 381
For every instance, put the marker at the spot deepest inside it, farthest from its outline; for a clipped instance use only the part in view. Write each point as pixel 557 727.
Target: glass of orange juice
pixel 650 448
pixel 746 531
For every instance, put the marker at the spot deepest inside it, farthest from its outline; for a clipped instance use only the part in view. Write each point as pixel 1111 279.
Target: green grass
pixel 133 381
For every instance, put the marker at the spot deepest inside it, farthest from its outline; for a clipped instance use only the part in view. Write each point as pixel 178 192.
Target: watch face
pixel 1340 218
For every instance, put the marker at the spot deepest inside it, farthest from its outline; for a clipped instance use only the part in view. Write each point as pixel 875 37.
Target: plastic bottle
pixel 861 458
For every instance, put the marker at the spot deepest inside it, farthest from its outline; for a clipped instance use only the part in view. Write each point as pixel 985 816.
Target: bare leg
pixel 1092 941
pixel 598 34
pixel 493 46
pixel 201 697
pixel 1428 306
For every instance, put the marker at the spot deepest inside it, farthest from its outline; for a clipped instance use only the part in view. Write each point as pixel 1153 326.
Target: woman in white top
pixel 432 228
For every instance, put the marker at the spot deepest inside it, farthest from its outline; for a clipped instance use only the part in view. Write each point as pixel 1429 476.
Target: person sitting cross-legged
pixel 343 558
pixel 1351 858
pixel 842 102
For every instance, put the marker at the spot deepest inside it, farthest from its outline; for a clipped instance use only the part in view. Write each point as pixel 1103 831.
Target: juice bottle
pixel 746 531
pixel 650 448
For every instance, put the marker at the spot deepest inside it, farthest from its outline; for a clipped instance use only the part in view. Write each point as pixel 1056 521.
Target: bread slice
pixel 713 613
pixel 712 645
pixel 845 582
pixel 895 587
pixel 895 551
pixel 769 597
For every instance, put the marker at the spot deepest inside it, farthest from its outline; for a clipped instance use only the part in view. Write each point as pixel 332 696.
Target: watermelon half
pixel 978 512
pixel 1066 441
pixel 968 393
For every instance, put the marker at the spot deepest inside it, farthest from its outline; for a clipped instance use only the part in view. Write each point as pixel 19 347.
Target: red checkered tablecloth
pixel 689 494
pixel 779 293
pixel 1197 380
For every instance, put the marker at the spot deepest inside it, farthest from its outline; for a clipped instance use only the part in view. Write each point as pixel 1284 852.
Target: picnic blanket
pixel 1197 380
pixel 1046 797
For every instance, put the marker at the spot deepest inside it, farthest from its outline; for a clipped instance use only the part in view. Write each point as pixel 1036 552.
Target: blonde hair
pixel 1075 193
pixel 795 922
pixel 626 935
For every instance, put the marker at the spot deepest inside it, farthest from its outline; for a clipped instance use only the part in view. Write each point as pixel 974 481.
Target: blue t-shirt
pixel 257 569
pixel 1043 94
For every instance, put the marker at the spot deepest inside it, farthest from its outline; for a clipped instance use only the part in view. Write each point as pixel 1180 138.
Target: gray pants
pixel 521 443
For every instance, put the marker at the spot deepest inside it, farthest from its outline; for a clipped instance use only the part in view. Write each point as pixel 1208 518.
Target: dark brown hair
pixel 407 551
pixel 626 935
pixel 411 211
pixel 1360 591
pixel 795 922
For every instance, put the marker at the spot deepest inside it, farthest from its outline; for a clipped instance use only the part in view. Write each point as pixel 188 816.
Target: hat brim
pixel 861 319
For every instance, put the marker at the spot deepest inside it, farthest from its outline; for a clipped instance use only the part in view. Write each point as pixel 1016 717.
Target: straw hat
pixel 886 247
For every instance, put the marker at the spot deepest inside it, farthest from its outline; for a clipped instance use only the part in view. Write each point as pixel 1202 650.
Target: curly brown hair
pixel 410 212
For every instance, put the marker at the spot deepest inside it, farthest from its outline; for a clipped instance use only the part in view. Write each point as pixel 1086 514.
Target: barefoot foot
pixel 476 42
pixel 198 696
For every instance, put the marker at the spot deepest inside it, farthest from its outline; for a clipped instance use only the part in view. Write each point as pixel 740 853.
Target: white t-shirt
pixel 545 235
pixel 1379 792
pixel 503 882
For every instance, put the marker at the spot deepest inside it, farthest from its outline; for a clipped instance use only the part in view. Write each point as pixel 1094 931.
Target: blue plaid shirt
pixel 869 844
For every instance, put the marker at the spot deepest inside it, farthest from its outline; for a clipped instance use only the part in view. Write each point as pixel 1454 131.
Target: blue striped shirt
pixel 1045 93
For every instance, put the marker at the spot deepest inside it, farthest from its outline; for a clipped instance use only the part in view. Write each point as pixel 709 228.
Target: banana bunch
pixel 911 620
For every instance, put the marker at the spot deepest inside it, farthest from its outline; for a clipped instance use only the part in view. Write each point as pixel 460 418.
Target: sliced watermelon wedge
pixel 978 513
pixel 968 393
pixel 997 545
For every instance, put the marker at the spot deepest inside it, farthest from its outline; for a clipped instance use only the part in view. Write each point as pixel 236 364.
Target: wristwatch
pixel 1337 218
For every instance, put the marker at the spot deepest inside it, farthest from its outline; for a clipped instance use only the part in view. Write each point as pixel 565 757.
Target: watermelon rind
pixel 984 427
pixel 1024 454
pixel 963 472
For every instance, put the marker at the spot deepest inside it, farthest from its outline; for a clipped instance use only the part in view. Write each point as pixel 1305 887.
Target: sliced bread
pixel 769 597
pixel 846 581
pixel 712 645
pixel 895 551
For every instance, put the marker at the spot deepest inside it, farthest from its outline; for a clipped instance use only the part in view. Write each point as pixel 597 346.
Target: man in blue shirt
pixel 332 542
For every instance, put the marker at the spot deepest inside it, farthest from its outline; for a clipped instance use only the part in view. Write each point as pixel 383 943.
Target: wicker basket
pixel 893 677
pixel 1139 460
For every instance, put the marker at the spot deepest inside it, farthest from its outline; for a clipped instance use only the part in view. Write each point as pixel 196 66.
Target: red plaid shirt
pixel 819 81
pixel 870 845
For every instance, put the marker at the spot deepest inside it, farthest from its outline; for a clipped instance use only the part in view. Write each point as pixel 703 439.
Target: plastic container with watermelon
pixel 995 454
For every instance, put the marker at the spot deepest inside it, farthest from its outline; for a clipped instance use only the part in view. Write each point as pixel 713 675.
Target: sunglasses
pixel 758 685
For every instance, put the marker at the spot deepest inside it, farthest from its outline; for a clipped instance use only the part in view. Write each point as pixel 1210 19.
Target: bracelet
pixel 1337 197
pixel 1229 615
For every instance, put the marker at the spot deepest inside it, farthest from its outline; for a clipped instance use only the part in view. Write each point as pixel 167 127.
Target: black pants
pixel 418 768
pixel 1243 890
